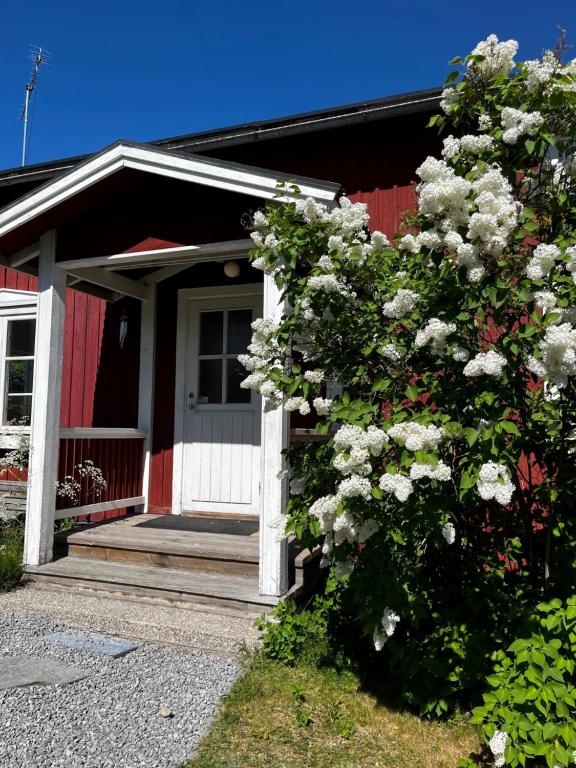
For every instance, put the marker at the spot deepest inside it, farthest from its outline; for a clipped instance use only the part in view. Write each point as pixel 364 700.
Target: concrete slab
pixel 92 642
pixel 22 671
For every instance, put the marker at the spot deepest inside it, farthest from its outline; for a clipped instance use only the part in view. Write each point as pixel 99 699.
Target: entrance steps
pixel 192 561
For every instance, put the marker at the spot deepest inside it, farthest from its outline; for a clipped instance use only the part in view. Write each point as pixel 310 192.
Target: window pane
pixel 21 338
pixel 19 375
pixel 19 408
pixel 235 373
pixel 239 331
pixel 211 330
pixel 210 381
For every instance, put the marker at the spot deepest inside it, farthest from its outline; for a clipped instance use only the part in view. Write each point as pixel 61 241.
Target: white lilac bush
pixel 441 367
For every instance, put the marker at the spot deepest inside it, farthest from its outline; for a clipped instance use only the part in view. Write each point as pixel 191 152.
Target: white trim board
pixel 185 295
pixel 199 170
pixel 163 256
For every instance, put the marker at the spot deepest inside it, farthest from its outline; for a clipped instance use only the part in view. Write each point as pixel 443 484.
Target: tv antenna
pixel 39 56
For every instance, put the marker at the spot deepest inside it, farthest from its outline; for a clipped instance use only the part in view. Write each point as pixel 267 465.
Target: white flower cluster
pixel 545 299
pixel 435 332
pixel 460 354
pixel 468 144
pixel 494 483
pixel 449 533
pixel 540 71
pixel 354 486
pixel 314 377
pixel 442 193
pixel 516 123
pixel 354 446
pixel 542 261
pixel 299 404
pixel 324 510
pixel 398 485
pixel 416 437
pixel 440 472
pixel 264 354
pixel 449 98
pixel 497 746
pixel 327 284
pixel 485 205
pixel 322 405
pixel 340 526
pixel 347 218
pixel 558 348
pixel 497 212
pixel 489 363
pixel 498 57
pixel 391 352
pixel 385 629
pixel 402 304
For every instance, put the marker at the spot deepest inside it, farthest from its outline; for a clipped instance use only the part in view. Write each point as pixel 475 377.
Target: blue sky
pixel 157 68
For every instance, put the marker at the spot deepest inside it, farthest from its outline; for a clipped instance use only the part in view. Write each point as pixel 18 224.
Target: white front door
pixel 220 450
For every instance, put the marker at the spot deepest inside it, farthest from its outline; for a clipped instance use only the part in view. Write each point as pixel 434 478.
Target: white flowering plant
pixel 441 367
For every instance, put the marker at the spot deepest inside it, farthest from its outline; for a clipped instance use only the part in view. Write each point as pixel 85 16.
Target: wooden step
pixel 177 550
pixel 175 586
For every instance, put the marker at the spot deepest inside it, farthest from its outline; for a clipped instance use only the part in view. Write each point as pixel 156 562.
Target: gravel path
pixel 111 718
pixel 215 632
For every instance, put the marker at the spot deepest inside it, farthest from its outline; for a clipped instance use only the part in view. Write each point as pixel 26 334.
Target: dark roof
pixel 349 114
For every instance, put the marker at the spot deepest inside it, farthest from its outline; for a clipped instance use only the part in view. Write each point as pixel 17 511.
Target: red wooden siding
pixel 121 462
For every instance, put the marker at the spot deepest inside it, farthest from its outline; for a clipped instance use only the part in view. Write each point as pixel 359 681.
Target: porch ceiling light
pixel 231 269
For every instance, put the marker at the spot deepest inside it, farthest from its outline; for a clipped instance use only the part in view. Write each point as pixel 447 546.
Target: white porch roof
pixel 35 209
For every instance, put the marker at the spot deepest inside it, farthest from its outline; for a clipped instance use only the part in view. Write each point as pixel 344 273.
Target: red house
pixel 125 298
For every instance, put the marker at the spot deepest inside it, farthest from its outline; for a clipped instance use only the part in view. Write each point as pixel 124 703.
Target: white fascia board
pixel 58 191
pixel 149 160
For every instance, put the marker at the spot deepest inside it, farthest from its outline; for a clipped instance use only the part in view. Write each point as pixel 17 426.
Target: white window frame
pixel 14 305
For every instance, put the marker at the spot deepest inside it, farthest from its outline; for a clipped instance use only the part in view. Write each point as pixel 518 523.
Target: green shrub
pixel 293 633
pixel 11 544
pixel 530 708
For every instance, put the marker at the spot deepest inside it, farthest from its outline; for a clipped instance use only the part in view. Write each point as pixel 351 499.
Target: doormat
pixel 218 525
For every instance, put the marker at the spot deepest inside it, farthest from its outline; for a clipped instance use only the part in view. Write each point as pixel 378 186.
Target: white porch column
pixel 45 425
pixel 146 382
pixel 274 488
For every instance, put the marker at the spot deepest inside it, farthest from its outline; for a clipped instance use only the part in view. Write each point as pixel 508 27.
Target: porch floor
pixel 185 560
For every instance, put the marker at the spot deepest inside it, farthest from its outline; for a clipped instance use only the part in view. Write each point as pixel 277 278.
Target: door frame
pixel 185 296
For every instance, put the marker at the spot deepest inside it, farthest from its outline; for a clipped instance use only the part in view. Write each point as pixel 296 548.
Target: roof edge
pixel 349 114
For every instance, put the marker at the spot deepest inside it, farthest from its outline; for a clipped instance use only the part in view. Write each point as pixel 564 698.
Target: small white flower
pixel 385 629
pixel 322 405
pixel 449 533
pixel 399 485
pixel 489 363
pixel 494 483
pixel 314 377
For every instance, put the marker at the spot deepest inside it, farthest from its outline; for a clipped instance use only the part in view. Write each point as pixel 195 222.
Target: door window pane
pixel 211 333
pixel 210 381
pixel 235 373
pixel 19 409
pixel 19 376
pixel 239 331
pixel 21 338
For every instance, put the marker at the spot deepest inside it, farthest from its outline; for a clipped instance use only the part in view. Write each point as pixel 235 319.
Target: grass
pixel 305 717
pixel 11 543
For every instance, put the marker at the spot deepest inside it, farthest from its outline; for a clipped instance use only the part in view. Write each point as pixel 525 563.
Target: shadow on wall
pixel 116 391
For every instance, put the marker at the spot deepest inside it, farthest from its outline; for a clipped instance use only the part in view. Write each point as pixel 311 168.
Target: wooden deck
pixel 186 560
